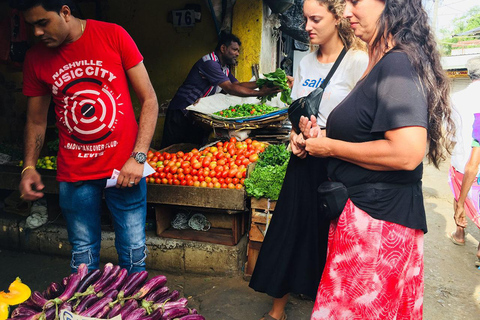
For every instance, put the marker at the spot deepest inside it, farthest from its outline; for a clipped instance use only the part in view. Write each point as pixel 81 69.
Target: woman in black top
pixel 377 138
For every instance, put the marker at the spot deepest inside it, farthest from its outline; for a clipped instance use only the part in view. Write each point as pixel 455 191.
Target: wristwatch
pixel 140 157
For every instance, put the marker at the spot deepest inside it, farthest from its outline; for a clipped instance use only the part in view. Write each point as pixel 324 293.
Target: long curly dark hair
pixel 406 23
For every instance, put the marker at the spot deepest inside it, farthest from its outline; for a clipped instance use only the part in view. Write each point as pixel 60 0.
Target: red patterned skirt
pixel 374 270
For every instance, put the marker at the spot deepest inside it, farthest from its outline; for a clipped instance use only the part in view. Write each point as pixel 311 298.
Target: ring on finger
pixel 131 182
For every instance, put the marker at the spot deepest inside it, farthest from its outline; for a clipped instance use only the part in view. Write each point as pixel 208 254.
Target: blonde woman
pixel 293 252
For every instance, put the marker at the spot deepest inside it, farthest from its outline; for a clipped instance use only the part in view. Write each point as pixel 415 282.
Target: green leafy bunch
pixel 266 180
pixel 279 79
pixel 274 155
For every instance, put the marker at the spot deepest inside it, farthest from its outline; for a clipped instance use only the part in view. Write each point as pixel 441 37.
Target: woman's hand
pixel 459 216
pixel 297 143
pixel 309 127
pixel 318 147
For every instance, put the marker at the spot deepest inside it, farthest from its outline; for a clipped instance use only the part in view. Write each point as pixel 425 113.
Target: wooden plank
pixel 252 256
pixel 163 216
pixel 262 203
pixel 228 199
pixel 256 232
pixel 214 235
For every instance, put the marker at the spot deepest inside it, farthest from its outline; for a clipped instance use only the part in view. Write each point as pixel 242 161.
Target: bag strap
pixel 334 68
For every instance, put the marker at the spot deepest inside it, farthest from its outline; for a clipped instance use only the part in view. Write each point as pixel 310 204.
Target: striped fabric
pixel 374 270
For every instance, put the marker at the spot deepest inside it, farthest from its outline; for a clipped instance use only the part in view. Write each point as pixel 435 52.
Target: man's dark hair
pixel 48 5
pixel 227 39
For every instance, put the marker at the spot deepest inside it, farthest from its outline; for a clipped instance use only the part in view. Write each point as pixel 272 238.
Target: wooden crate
pixel 252 256
pixel 261 210
pixel 226 229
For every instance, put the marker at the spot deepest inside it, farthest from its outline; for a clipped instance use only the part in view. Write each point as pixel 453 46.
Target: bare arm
pixel 246 89
pixel 471 170
pixel 138 76
pixel 37 110
pixel 402 149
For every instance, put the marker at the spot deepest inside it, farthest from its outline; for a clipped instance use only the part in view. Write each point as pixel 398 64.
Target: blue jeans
pixel 81 206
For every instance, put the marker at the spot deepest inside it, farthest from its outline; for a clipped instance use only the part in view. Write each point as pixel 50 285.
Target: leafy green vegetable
pixel 266 180
pixel 277 78
pixel 245 110
pixel 274 155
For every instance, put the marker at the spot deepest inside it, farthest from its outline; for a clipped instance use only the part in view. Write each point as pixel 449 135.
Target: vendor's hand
pixel 130 174
pixel 297 144
pixel 459 216
pixel 309 127
pixel 318 147
pixel 290 81
pixel 265 91
pixel 31 185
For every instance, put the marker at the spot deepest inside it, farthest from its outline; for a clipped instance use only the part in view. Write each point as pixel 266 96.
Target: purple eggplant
pixel 49 314
pixel 22 311
pixel 30 304
pixel 41 315
pixel 155 315
pixel 107 268
pixel 66 306
pixel 192 317
pixel 193 311
pixel 136 314
pixel 128 307
pixel 157 294
pixel 86 302
pixel 114 311
pixel 96 307
pixel 65 281
pixel 172 296
pixel 54 290
pixel 88 280
pixel 175 313
pixel 150 285
pixel 102 285
pixel 103 312
pixel 180 303
pixel 82 270
pixel 134 283
pixel 70 289
pixel 38 299
pixel 116 283
pixel 119 280
pixel 112 293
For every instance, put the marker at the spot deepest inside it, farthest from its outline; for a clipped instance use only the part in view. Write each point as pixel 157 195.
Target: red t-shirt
pixel 94 112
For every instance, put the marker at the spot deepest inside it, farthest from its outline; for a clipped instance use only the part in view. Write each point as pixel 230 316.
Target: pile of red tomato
pixel 223 165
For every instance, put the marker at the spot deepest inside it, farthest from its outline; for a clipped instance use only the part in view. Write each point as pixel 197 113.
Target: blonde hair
pixel 345 32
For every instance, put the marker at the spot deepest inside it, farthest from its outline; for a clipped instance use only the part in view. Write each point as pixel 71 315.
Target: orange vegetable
pixel 18 293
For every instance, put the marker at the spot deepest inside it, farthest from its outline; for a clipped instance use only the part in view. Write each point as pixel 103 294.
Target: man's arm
pixel 31 182
pixel 138 76
pixel 246 89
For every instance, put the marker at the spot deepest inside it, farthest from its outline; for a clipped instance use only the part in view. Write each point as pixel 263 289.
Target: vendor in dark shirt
pixel 208 76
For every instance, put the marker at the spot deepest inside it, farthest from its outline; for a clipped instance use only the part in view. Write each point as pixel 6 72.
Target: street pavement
pixel 452 283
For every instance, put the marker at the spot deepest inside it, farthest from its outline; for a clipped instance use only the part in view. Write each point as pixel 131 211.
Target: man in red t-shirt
pixel 84 66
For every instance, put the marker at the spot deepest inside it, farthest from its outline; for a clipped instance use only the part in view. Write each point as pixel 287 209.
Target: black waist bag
pixel 332 198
